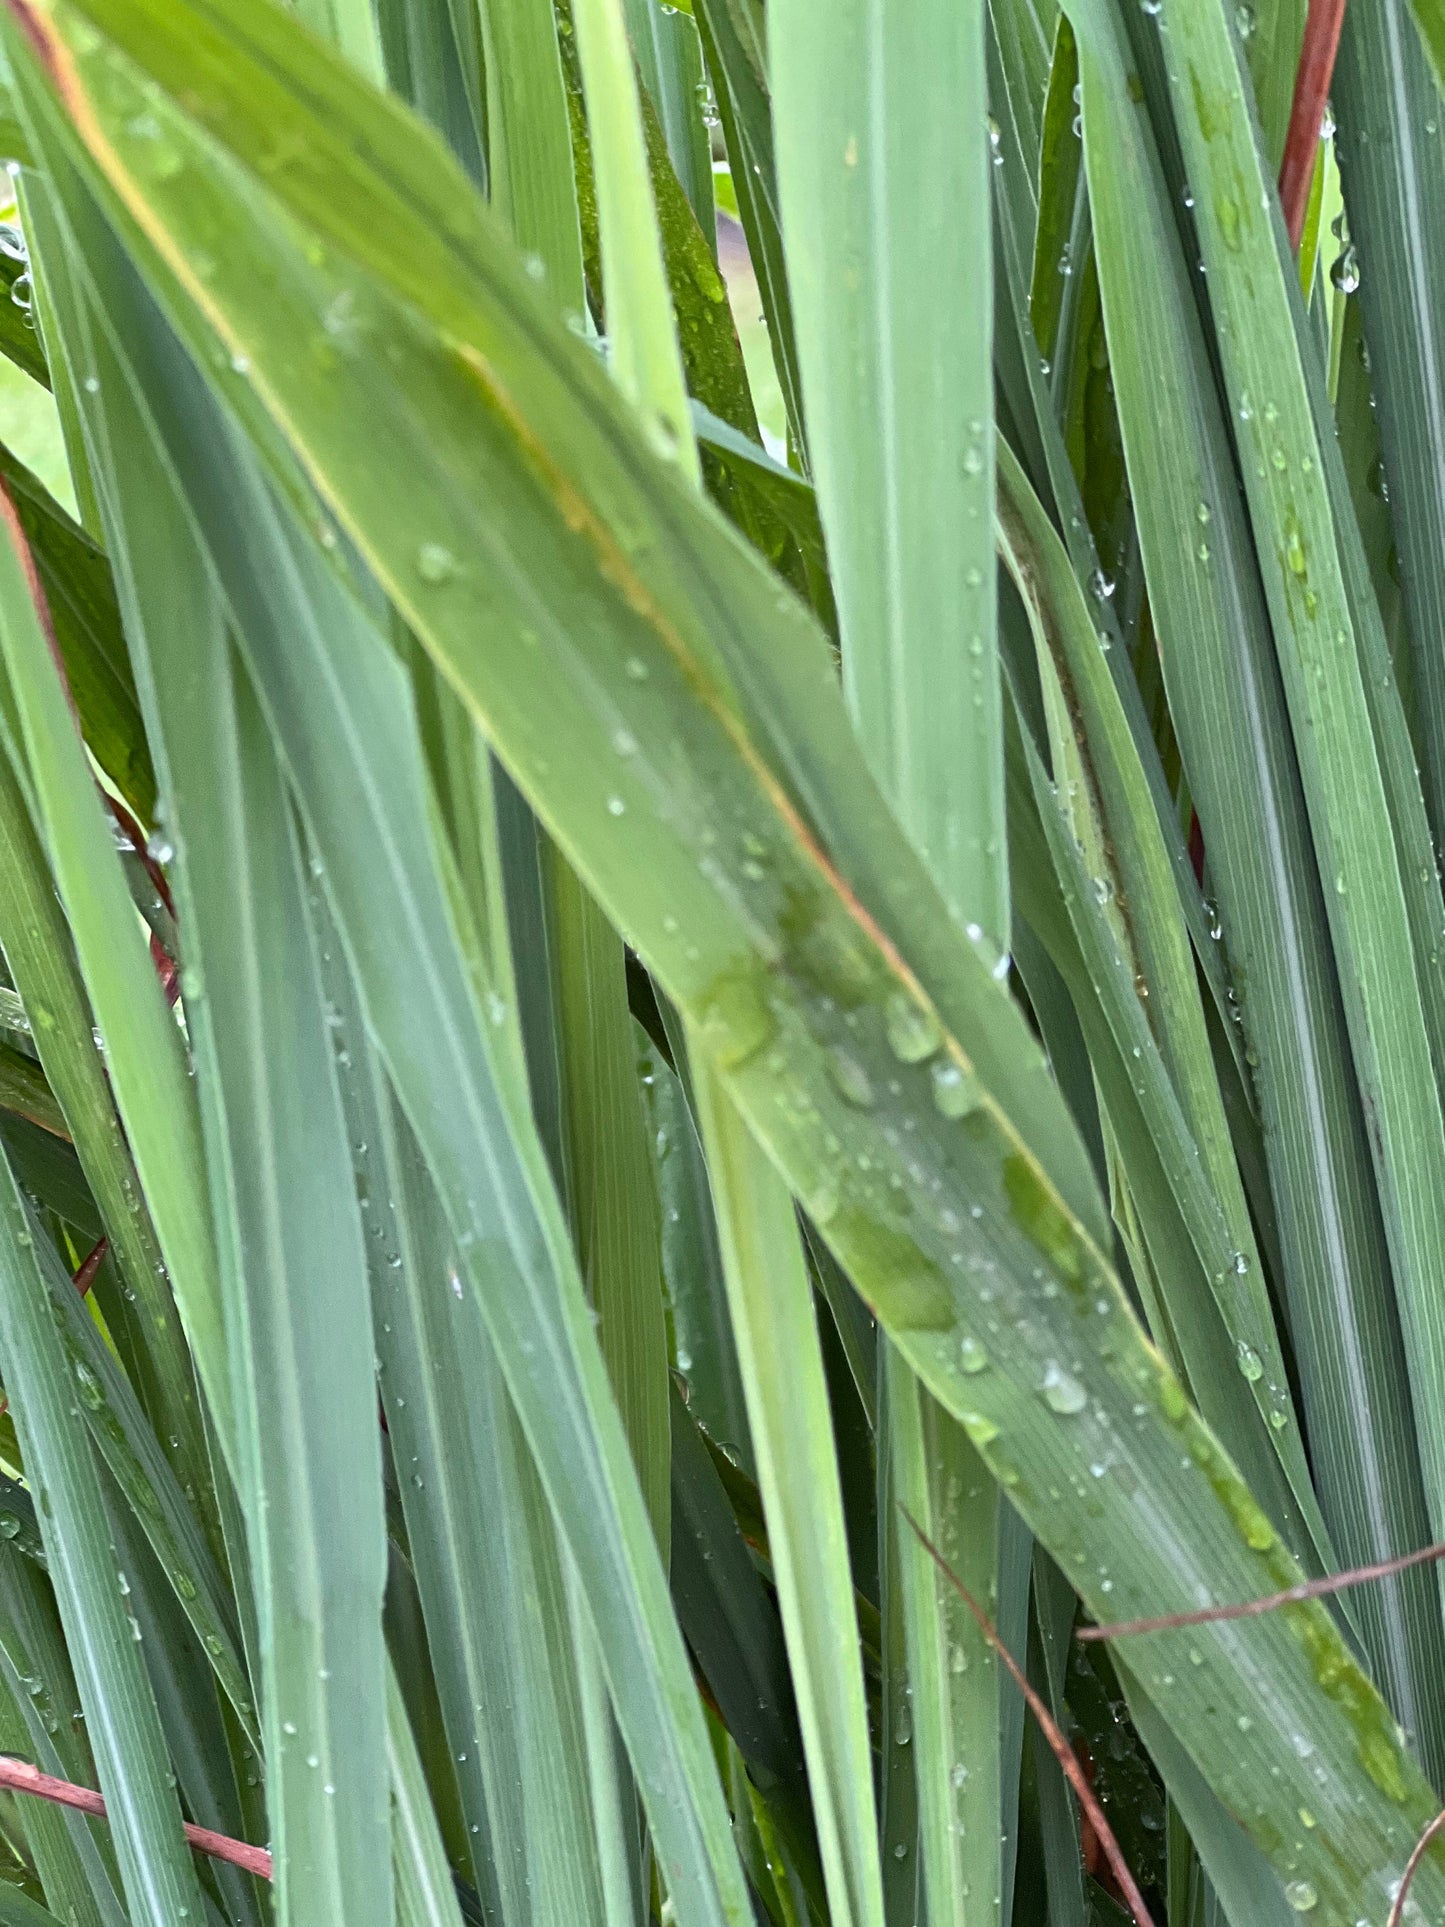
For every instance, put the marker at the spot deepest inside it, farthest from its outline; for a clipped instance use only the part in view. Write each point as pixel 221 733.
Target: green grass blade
pixel 608 1185
pixel 612 1203
pixel 81 597
pixel 144 1048
pixel 1137 849
pixel 39 953
pixel 425 1895
pixel 529 143
pixel 149 1487
pixel 447 1030
pixel 74 1855
pixel 692 1265
pixel 485 1594
pixel 1021 30
pixel 730 31
pixel 196 1732
pixel 643 351
pixel 120 1711
pixel 1177 1217
pixel 309 1416
pixel 760 984
pixel 1395 193
pixel 303 1343
pixel 775 1325
pixel 895 315
pixel 351 25
pixel 17 1909
pixel 953 1710
pixel 431 50
pixel 669 59
pixel 1230 713
pixel 1344 775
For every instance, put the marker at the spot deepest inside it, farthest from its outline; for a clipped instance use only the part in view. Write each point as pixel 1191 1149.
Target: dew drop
pixel 850 1080
pixel 912 1030
pixel 1062 1392
pixel 955 1090
pixel 972 1358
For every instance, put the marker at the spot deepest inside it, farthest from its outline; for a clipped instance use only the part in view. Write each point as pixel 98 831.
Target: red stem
pixel 1311 92
pixel 1062 1751
pixel 1251 1608
pixel 21 1777
pixel 1397 1908
pixel 89 1266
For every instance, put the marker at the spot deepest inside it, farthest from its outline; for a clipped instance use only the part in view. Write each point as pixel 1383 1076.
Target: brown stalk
pixel 21 1777
pixel 1307 111
pixel 1397 1907
pixel 1059 1746
pixel 1251 1608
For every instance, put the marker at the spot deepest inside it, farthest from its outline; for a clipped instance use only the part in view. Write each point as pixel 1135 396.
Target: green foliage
pixel 633 1008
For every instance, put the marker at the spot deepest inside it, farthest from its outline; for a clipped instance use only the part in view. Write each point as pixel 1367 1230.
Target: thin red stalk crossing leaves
pixel 20 1777
pixel 1251 1608
pixel 1060 1747
pixel 1422 1845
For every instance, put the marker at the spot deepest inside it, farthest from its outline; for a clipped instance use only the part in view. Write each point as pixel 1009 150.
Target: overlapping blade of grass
pixel 351 26
pixel 306 1402
pixel 669 61
pixel 604 1168
pixel 1135 848
pixel 529 147
pixel 952 1714
pixel 318 1600
pixel 769 1290
pixel 499 1608
pixel 425 1894
pixel 775 1324
pixel 732 38
pixel 611 1199
pixel 894 301
pixel 1393 172
pixel 1023 33
pixel 120 1710
pixel 764 956
pixel 149 1487
pixel 144 1049
pixel 642 354
pixel 17 1909
pixel 431 51
pixel 732 1625
pixel 297 1314
pixel 1169 1204
pixel 1229 710
pixel 691 1264
pixel 42 962
pixel 433 1046
pixel 81 598
pixel 186 1691
pixel 895 323
pixel 1351 776
pixel 74 1856
pixel 480 1535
